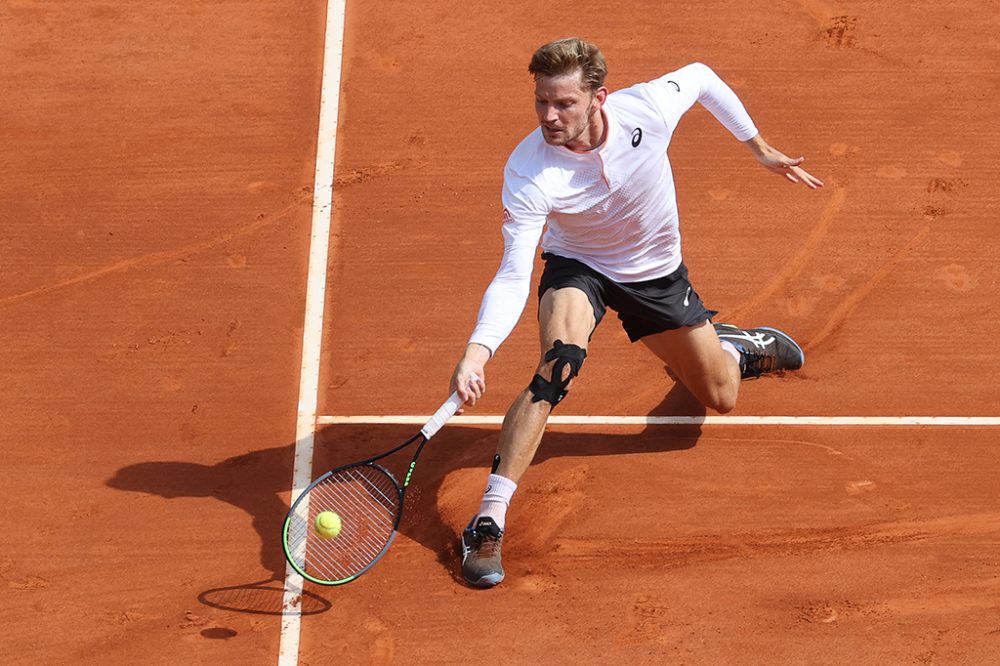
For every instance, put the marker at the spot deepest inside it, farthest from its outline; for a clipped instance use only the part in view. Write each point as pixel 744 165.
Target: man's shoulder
pixel 531 156
pixel 530 148
pixel 627 97
pixel 633 104
pixel 523 176
pixel 673 81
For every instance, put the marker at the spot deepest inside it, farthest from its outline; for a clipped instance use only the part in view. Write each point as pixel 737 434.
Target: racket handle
pixel 444 412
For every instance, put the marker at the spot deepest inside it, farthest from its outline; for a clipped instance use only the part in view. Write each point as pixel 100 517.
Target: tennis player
pixel 595 178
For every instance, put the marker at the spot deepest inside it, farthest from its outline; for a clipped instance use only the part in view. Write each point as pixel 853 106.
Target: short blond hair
pixel 566 56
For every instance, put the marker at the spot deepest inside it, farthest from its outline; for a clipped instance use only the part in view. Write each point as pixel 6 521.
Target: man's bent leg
pixel 696 356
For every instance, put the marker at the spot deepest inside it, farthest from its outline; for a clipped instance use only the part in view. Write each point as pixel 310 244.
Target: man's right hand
pixel 469 378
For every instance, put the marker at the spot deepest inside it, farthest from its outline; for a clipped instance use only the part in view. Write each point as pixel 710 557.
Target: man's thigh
pixel 565 314
pixel 694 354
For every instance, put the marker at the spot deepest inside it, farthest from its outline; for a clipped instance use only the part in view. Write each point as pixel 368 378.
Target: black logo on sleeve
pixel 674 84
pixel 636 137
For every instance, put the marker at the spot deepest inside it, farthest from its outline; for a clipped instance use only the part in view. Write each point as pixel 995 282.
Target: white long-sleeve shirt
pixel 612 208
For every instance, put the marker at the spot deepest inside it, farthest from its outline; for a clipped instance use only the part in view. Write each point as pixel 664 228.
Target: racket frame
pixel 435 423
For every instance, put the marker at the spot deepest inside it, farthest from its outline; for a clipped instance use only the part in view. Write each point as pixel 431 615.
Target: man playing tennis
pixel 594 176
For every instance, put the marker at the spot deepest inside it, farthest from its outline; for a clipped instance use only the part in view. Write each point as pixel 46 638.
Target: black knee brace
pixel 554 390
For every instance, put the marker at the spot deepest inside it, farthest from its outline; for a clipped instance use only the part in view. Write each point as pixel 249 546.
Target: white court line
pixel 312 336
pixel 688 420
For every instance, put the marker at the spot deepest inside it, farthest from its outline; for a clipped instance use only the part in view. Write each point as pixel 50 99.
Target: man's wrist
pixel 478 352
pixel 756 143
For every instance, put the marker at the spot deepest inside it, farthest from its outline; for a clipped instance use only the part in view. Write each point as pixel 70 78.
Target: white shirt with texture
pixel 612 208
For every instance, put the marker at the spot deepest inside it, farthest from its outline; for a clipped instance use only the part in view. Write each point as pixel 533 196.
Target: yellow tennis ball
pixel 328 524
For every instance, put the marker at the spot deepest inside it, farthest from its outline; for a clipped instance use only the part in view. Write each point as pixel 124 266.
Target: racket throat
pixel 409 473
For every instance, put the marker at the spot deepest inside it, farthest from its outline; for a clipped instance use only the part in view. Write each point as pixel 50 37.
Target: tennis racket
pixel 368 500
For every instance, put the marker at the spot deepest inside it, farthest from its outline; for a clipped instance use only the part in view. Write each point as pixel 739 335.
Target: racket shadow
pixel 263 597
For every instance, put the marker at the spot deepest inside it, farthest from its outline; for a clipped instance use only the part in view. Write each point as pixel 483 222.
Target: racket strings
pixel 367 499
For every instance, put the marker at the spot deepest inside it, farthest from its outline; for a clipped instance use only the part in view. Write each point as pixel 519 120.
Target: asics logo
pixel 636 137
pixel 687 297
pixel 756 339
pixel 674 84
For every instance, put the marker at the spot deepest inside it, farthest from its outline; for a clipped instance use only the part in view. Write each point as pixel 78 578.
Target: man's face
pixel 564 108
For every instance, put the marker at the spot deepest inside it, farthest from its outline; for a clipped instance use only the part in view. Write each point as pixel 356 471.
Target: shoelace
pixel 759 362
pixel 486 546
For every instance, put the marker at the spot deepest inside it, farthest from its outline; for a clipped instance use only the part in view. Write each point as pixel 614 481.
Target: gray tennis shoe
pixel 763 350
pixel 481 542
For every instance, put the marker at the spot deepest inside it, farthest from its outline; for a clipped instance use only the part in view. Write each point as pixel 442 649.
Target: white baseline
pixel 856 421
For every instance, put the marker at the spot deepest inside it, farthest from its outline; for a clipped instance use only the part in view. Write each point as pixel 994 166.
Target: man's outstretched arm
pixel 677 91
pixel 774 160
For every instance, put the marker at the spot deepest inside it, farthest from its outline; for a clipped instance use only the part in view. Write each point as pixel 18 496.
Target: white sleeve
pixel 525 212
pixel 676 92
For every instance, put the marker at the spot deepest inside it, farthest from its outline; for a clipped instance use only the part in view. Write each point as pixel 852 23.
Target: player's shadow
pixel 252 482
pixel 258 483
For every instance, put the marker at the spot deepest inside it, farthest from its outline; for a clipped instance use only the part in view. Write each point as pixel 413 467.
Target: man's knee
pixel 722 397
pixel 562 363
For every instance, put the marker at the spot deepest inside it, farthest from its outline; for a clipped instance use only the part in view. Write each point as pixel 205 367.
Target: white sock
pixel 731 349
pixel 496 499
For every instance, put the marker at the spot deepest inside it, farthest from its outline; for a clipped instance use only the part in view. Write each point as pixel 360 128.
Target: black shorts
pixel 644 308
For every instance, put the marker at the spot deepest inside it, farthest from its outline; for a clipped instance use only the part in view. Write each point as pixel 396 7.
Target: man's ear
pixel 600 95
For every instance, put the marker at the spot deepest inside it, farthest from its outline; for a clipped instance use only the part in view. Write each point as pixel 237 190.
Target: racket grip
pixel 441 416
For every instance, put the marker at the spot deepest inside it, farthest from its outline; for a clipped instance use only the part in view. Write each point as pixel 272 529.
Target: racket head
pixel 369 501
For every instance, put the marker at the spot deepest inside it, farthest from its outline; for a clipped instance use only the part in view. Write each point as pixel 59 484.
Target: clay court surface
pixel 156 203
